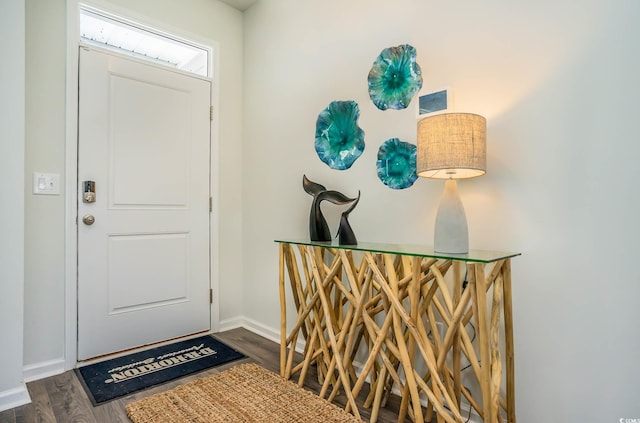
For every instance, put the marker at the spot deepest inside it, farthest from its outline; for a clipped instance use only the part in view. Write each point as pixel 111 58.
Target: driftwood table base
pixel 403 313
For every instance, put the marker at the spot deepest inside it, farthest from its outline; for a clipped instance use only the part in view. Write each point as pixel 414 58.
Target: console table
pixel 406 310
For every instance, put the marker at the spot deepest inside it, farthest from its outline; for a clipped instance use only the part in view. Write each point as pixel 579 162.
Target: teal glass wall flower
pixel 396 164
pixel 339 139
pixel 394 78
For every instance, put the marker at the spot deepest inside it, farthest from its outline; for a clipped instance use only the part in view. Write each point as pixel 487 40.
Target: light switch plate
pixel 46 183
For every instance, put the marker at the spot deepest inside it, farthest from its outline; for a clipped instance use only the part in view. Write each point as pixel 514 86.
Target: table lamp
pixel 451 146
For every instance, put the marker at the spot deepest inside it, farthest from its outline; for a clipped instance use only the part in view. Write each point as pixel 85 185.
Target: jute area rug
pixel 244 393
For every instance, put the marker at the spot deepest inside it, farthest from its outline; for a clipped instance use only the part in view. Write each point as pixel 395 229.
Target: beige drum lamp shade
pixel 452 146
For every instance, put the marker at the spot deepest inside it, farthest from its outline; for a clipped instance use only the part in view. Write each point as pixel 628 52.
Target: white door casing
pixel 143 266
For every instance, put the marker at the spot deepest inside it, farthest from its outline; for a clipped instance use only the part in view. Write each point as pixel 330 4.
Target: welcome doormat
pixel 120 376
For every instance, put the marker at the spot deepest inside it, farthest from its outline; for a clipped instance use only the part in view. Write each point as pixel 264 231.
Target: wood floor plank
pixel 8 416
pixel 112 412
pixel 62 399
pixel 40 410
pixel 68 399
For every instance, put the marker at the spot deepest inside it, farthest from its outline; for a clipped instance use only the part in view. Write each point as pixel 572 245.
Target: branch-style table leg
pixel 508 329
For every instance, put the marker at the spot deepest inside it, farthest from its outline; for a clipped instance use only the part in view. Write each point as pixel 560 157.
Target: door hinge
pixel 210 296
pixel 210 204
pixel 211 113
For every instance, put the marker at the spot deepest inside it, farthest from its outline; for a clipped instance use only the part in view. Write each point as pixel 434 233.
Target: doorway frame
pixel 71 168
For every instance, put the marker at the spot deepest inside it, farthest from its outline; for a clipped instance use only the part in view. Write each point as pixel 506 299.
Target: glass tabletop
pixel 478 256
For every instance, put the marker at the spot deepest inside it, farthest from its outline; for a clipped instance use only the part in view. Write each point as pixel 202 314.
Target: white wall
pixel 45 151
pixel 559 87
pixel 13 391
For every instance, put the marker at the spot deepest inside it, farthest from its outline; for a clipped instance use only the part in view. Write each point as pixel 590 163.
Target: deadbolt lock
pixel 88 192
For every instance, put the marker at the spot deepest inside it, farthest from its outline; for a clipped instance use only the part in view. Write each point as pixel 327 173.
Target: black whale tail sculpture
pixel 318 227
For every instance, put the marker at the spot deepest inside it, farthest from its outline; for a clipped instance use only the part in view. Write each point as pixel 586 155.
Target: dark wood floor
pixel 62 399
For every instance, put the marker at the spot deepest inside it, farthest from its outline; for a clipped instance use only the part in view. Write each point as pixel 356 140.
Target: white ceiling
pixel 241 5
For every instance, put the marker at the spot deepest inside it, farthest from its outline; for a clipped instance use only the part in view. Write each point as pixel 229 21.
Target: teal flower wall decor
pixel 396 164
pixel 394 78
pixel 339 139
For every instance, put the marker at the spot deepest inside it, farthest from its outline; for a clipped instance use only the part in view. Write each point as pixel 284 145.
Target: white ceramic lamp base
pixel 451 231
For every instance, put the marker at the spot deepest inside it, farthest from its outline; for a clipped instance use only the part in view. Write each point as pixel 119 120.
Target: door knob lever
pixel 88 219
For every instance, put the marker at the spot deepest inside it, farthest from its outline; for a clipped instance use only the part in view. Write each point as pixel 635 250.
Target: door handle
pixel 88 219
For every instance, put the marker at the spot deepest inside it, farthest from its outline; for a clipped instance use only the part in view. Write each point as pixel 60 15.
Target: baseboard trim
pixel 252 325
pixel 261 329
pixel 228 324
pixel 39 371
pixel 256 327
pixel 14 397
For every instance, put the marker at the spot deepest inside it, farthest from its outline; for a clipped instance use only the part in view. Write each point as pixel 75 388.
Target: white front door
pixel 143 265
